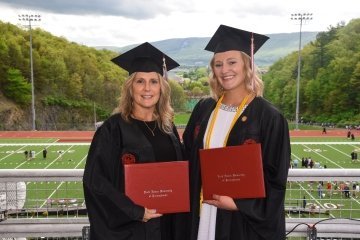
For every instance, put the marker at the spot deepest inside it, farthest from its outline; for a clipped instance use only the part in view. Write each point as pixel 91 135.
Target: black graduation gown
pixel 256 219
pixel 111 213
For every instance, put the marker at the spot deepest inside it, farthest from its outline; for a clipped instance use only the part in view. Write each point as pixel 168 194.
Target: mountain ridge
pixel 189 51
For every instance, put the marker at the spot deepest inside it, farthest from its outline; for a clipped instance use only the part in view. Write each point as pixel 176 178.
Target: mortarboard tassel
pixel 165 75
pixel 252 62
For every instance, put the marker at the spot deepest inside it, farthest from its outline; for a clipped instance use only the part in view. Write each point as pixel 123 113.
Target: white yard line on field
pixel 338 150
pixel 84 158
pixel 296 157
pixel 51 194
pixel 310 194
pixel 11 153
pixel 323 157
pixel 44 144
pixel 59 157
pixel 331 143
pixel 25 161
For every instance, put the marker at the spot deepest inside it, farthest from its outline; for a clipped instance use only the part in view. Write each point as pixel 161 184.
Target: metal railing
pixel 29 221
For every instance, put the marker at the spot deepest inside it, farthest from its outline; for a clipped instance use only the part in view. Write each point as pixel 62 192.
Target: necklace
pixel 151 130
pixel 228 108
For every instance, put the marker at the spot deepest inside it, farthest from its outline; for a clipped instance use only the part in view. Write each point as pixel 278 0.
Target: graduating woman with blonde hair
pixel 141 131
pixel 237 114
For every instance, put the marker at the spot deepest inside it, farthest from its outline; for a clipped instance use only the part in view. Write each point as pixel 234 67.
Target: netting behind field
pixel 12 195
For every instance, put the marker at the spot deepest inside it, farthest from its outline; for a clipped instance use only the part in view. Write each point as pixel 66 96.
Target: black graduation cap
pixel 228 38
pixel 145 58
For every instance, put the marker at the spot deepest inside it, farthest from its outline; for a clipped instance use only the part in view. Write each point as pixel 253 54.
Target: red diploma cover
pixel 163 186
pixel 234 171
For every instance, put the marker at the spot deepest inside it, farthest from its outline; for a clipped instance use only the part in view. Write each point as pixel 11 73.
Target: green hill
pixel 74 83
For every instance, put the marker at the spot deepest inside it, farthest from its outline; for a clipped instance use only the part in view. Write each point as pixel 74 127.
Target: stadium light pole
pixel 28 18
pixel 94 116
pixel 301 17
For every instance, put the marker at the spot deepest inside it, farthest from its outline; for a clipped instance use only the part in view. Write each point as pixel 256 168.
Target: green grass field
pixel 334 152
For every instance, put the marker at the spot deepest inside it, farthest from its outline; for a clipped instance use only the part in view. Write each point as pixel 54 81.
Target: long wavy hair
pixel 164 113
pixel 250 79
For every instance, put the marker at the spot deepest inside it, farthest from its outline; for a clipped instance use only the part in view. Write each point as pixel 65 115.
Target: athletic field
pixel 68 150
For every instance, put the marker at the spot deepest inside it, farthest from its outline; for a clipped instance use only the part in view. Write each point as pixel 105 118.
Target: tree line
pixel 329 81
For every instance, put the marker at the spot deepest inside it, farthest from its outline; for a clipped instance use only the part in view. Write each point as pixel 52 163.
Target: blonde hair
pixel 217 90
pixel 164 113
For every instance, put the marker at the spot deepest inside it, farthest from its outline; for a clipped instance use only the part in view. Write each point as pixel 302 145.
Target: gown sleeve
pixel 266 215
pixel 104 181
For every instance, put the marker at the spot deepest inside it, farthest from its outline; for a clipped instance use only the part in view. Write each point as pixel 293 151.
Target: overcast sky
pixel 124 22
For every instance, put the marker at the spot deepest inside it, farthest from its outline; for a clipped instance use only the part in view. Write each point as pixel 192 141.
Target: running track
pixel 88 135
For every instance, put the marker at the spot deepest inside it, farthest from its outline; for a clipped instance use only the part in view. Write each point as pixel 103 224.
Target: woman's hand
pixel 149 214
pixel 223 202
